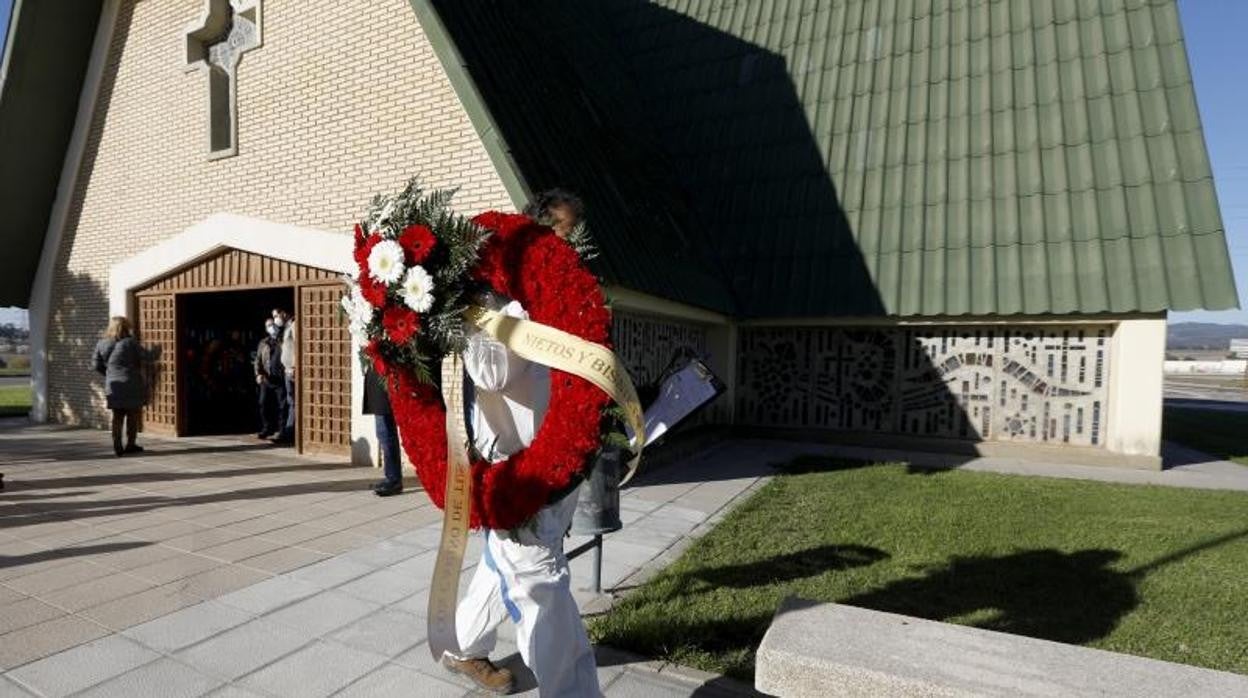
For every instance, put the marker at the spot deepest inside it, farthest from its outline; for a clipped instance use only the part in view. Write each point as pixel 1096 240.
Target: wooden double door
pixel 170 327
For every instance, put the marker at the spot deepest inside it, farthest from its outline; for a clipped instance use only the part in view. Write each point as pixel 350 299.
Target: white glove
pixel 490 365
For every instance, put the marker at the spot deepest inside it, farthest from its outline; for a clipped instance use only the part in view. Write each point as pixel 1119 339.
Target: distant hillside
pixel 1203 335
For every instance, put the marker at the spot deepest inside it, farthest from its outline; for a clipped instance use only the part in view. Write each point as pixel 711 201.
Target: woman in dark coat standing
pixel 377 403
pixel 119 358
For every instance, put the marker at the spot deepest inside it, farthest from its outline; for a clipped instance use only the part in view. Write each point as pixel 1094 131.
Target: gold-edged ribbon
pixel 444 592
pixel 540 344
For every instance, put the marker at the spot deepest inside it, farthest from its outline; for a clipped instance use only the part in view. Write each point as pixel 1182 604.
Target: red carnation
pixel 504 224
pixel 359 236
pixel 373 291
pixel 400 323
pixel 417 242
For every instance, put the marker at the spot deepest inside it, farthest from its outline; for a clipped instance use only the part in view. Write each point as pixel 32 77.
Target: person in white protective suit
pixel 523 573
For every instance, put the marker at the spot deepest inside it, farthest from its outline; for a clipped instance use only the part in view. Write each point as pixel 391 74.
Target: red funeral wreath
pixel 529 263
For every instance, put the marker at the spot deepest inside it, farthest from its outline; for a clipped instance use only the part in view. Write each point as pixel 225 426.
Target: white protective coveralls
pixel 523 573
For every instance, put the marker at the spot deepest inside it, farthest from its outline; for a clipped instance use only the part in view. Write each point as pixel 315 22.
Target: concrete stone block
pixel 823 650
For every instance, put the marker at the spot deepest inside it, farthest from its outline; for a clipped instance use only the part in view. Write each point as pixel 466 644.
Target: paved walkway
pixel 231 568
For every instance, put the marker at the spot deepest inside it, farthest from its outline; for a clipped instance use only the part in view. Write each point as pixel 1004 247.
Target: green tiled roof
pixel 855 157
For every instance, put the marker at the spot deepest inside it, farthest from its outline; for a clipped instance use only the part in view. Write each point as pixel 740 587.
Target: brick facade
pixel 344 98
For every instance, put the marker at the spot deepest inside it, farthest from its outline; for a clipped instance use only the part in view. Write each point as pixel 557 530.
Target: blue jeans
pixel 388 436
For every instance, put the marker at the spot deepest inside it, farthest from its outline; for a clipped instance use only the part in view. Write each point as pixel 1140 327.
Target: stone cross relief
pixel 215 44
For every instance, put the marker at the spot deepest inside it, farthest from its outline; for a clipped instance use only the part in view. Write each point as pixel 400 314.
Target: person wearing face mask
pixel 271 378
pixel 286 333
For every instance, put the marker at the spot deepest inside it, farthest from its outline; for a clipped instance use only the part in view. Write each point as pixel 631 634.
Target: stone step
pixel 821 649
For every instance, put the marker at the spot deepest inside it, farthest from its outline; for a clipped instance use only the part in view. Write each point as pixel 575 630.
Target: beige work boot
pixel 483 673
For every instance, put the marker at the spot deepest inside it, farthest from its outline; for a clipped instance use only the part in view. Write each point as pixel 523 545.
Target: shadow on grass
pixel 803 465
pixel 1066 597
pixel 792 566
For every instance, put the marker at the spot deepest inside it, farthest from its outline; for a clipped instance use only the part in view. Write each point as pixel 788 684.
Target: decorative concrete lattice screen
pixel 1014 383
pixel 647 343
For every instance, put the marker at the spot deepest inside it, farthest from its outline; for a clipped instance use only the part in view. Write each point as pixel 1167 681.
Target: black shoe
pixel 282 441
pixel 117 448
pixel 265 435
pixel 134 448
pixel 387 489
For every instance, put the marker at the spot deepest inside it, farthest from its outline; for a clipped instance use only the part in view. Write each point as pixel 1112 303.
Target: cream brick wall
pixel 344 99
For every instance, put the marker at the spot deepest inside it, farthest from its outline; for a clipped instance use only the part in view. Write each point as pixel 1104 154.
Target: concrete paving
pixel 231 568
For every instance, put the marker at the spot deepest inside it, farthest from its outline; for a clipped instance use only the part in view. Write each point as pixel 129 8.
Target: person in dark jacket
pixel 271 377
pixel 377 403
pixel 118 357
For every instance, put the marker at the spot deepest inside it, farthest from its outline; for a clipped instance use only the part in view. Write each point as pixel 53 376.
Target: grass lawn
pixel 1152 571
pixel 14 400
pixel 9 371
pixel 1221 434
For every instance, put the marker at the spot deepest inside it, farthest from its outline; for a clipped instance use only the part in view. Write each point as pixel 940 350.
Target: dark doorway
pixel 217 339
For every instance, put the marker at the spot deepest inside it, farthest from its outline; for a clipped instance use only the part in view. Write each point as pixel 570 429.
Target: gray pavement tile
pixel 11 689
pixel 25 612
pixel 388 632
pixel 416 604
pixel 221 580
pixel 320 669
pixel 86 665
pixel 8 595
pixel 384 553
pixel 232 691
pixel 202 538
pixel 183 628
pixel 419 659
pixel 240 549
pixel 180 566
pixel 165 531
pixel 633 684
pixel 284 560
pixel 293 534
pixel 332 572
pixel 138 608
pixel 255 525
pixel 426 537
pixel 73 572
pixel 164 678
pixel 132 558
pixel 395 681
pixel 382 586
pixel 339 542
pixel 242 650
pixel 419 569
pixel 270 594
pixel 322 613
pixel 95 592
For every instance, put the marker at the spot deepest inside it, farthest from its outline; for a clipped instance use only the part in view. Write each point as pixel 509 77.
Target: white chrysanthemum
pixel 359 313
pixel 417 289
pixel 385 262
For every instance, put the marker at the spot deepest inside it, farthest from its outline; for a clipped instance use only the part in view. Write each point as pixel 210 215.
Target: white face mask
pixel 279 321
pixel 272 329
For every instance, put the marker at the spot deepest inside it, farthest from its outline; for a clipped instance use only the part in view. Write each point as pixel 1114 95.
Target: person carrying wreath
pixel 523 573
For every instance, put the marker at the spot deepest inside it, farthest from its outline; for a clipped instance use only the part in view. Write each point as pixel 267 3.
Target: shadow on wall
pixel 78 312
pixel 666 123
pixel 79 318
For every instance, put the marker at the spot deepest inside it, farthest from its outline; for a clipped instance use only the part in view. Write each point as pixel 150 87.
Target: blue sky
pixel 1215 31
